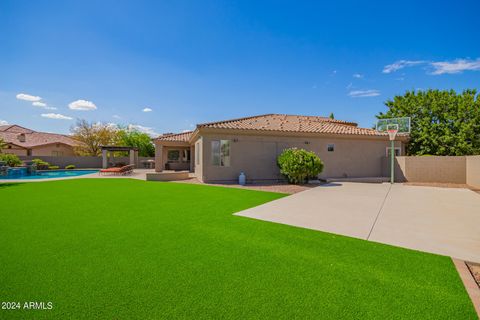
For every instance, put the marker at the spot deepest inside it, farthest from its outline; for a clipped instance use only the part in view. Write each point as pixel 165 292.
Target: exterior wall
pixel 441 169
pixel 473 171
pixel 81 162
pixel 15 150
pixel 47 150
pixel 256 156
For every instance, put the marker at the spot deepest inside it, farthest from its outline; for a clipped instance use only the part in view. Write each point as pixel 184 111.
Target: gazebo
pixel 108 150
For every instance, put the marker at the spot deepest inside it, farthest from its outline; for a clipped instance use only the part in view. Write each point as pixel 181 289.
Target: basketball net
pixel 392 133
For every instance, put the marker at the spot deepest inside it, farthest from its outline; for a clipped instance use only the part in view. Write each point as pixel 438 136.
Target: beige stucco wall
pixel 15 150
pixel 473 171
pixel 256 155
pixel 48 150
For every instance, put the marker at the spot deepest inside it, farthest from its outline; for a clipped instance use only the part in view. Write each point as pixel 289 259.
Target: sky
pixel 165 66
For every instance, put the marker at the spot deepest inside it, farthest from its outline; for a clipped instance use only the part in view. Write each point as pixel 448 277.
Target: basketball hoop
pixel 392 130
pixel 392 133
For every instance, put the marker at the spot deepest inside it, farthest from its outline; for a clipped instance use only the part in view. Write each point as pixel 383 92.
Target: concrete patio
pixel 438 220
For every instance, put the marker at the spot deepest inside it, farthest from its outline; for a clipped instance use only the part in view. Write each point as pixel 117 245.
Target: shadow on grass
pixel 9 184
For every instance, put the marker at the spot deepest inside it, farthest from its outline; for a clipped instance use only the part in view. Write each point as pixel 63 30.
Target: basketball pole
pixel 392 161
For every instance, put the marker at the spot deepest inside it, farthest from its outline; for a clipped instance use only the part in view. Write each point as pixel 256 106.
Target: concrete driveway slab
pixel 344 208
pixel 438 220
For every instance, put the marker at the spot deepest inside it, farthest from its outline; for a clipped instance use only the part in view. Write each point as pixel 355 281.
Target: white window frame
pixel 387 151
pixel 223 158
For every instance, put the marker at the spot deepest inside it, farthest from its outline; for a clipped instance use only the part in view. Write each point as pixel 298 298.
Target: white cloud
pixel 357 75
pixel 56 116
pixel 82 105
pixel 400 64
pixel 43 105
pixel 147 110
pixel 455 66
pixel 3 122
pixel 28 97
pixel 364 93
pixel 116 116
pixel 148 130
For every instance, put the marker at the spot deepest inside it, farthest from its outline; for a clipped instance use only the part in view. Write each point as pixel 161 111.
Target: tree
pixel 92 136
pixel 134 138
pixel 331 116
pixel 3 145
pixel 442 121
pixel 299 165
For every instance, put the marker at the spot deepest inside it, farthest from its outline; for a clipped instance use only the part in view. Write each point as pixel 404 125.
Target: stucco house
pixel 219 151
pixel 26 142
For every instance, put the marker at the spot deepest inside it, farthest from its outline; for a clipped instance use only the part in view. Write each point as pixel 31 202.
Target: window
pixel 388 151
pixel 330 147
pixel 57 153
pixel 173 155
pixel 221 153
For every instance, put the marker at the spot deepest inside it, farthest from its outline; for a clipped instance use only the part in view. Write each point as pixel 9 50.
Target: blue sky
pixel 198 61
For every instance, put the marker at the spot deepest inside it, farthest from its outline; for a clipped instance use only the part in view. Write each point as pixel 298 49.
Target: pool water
pixel 48 174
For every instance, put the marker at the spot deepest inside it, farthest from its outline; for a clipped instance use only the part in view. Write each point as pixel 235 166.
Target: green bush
pixel 41 165
pixel 11 160
pixel 299 165
pixel 53 167
pixel 70 166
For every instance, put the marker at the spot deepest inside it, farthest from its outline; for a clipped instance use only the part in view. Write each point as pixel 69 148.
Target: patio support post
pixel 131 154
pixel 191 158
pixel 158 158
pixel 104 159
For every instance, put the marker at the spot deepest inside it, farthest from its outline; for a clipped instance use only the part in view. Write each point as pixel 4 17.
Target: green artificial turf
pixel 128 249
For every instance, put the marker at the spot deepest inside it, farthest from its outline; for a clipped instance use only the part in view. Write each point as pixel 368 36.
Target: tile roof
pixel 180 137
pixel 10 134
pixel 293 123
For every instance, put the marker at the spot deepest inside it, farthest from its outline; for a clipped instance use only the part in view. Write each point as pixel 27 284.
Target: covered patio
pixel 174 156
pixel 108 157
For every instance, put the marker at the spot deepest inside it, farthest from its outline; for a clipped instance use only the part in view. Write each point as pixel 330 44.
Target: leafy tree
pixel 299 165
pixel 3 145
pixel 92 136
pixel 11 160
pixel 134 138
pixel 331 116
pixel 443 122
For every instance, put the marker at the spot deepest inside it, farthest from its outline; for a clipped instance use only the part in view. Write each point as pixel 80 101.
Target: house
pixel 219 151
pixel 26 142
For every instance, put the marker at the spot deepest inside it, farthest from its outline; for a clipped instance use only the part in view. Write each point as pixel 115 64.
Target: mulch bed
pixel 475 270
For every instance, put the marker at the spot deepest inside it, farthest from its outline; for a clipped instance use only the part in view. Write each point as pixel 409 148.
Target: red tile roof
pixel 293 123
pixel 10 134
pixel 180 137
pixel 281 123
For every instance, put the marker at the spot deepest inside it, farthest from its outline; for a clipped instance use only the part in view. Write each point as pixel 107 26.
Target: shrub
pixel 53 167
pixel 70 166
pixel 41 165
pixel 299 165
pixel 11 160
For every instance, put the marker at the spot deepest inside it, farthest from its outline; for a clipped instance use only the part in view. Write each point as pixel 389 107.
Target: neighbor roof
pixel 10 134
pixel 282 123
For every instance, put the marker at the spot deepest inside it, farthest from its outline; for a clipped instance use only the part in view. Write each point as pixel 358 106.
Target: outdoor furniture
pixel 118 170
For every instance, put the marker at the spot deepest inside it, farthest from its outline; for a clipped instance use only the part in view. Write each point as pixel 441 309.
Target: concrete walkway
pixel 438 220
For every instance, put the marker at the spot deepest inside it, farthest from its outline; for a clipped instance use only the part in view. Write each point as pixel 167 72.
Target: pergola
pixel 108 150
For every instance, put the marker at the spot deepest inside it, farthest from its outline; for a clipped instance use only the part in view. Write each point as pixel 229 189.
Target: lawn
pixel 124 249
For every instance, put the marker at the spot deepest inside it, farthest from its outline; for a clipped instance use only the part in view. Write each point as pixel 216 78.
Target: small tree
pixel 134 138
pixel 299 165
pixel 331 116
pixel 92 136
pixel 11 160
pixel 3 145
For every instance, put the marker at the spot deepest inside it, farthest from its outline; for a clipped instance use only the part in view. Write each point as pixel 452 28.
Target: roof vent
pixel 21 137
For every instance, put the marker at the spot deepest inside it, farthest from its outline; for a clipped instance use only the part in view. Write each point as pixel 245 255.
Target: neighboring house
pixel 219 151
pixel 26 142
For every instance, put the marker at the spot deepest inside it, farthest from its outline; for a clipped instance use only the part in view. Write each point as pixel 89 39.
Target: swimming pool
pixel 20 174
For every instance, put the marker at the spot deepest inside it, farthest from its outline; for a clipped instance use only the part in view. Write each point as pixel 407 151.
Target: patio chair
pixel 118 170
